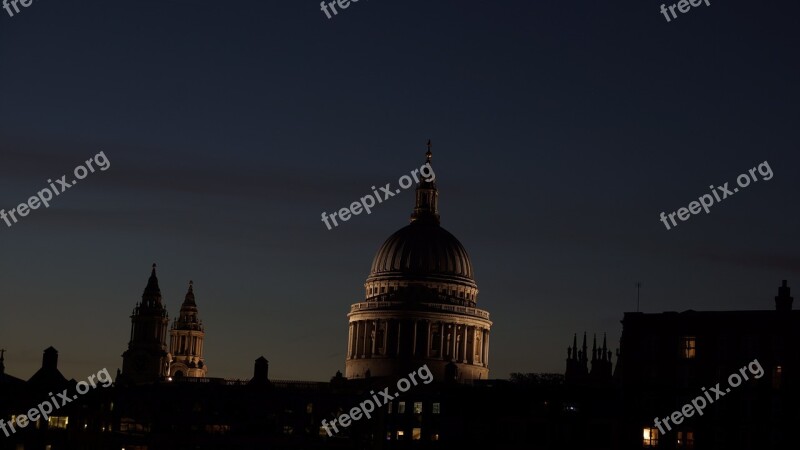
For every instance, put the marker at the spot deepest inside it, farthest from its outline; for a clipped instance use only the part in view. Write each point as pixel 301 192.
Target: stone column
pixel 349 339
pixel 357 341
pixel 399 336
pixel 486 347
pixel 427 352
pixel 373 336
pixel 442 332
pixel 464 344
pixel 414 339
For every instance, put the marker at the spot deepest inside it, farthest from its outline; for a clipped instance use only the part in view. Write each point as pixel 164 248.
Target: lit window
pixel 650 437
pixel 388 435
pixel 685 439
pixel 400 434
pixel 437 408
pixel 416 434
pixel 688 346
pixel 435 437
pixel 389 408
pixel 58 422
pixel 401 407
pixel 218 428
pixel 417 407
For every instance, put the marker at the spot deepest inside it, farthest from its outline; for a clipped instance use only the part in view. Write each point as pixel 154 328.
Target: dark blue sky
pixel 560 132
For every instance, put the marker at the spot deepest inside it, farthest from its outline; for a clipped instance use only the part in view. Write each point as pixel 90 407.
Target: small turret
pixel 783 301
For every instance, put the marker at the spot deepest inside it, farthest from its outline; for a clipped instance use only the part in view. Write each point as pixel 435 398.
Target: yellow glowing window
pixel 400 434
pixel 649 437
pixel 401 407
pixel 58 422
pixel 416 434
pixel 417 407
pixel 688 347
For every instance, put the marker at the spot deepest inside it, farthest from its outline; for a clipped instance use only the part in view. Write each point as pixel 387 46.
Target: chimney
pixel 261 371
pixel 783 301
pixel 50 359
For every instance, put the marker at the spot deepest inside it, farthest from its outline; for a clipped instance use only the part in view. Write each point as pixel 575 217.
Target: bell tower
pixel 186 341
pixel 145 360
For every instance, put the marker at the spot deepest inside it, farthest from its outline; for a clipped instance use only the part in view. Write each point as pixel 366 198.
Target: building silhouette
pixel 420 308
pixel 668 359
pixel 146 360
pixel 186 341
pixel 420 303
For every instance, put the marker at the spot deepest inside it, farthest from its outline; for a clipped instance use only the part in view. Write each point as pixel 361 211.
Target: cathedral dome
pixel 422 250
pixel 423 253
pixel 420 303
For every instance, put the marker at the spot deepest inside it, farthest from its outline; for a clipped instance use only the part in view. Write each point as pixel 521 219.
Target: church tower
pixel 186 341
pixel 146 360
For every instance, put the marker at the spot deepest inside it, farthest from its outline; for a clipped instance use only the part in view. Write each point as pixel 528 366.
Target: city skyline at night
pixel 560 135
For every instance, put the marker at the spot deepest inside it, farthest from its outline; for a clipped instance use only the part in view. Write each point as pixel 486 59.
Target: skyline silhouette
pixel 560 134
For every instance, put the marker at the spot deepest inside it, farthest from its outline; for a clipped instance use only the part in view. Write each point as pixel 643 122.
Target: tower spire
pixel 575 346
pixel 189 299
pixel 426 208
pixel 152 293
pixel 584 357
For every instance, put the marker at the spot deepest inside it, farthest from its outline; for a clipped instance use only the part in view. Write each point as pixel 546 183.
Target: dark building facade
pixel 669 359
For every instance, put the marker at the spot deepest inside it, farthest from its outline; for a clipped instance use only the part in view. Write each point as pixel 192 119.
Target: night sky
pixel 561 130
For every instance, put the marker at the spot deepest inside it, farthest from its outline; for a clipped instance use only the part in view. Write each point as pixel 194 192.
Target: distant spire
pixel 585 348
pixel 189 299
pixel 426 208
pixel 152 293
pixel 575 346
pixel 594 348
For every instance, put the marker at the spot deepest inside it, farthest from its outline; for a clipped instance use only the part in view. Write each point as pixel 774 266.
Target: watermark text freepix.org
pixel 343 4
pixel 7 4
pixel 368 201
pixel 366 407
pixel 44 196
pixel 699 403
pixel 706 200
pixel 47 407
pixel 683 6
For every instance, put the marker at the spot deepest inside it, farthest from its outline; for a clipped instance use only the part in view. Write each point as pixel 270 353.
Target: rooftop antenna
pixel 638 288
